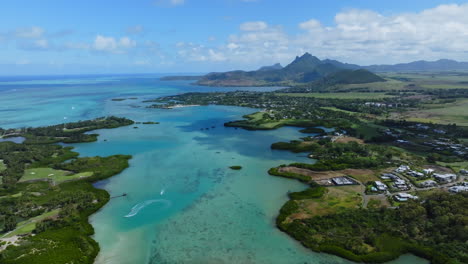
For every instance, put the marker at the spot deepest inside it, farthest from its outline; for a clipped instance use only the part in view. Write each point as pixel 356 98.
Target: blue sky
pixel 73 37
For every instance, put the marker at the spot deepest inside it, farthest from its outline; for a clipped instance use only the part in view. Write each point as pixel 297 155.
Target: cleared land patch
pixel 448 114
pixel 335 200
pixel 325 175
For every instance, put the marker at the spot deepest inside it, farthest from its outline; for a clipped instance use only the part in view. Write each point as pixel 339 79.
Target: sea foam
pixel 138 207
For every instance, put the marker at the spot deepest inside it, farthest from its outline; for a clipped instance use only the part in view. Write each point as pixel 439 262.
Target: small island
pixel 236 167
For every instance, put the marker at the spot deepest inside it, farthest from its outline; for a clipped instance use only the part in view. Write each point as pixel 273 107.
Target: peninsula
pixel 47 194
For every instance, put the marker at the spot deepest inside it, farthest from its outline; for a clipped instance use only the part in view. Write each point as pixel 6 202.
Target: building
pixel 402 169
pixel 403 197
pixel 416 174
pixel 445 178
pixel 465 172
pixel 380 186
pixel 428 171
pixel 343 181
pixel 400 184
pixel 458 189
pixel 388 176
pixel 428 183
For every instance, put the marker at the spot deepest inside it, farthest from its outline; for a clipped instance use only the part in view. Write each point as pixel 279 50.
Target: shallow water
pixel 183 203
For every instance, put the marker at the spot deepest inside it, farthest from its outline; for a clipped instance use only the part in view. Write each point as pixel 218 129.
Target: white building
pixel 416 174
pixel 458 189
pixel 402 168
pixel 428 183
pixel 445 178
pixel 465 172
pixel 428 171
pixel 380 186
pixel 400 184
pixel 403 197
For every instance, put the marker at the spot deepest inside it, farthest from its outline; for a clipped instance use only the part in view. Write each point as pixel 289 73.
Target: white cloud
pixel 253 26
pixel 356 36
pixel 112 45
pixel 31 32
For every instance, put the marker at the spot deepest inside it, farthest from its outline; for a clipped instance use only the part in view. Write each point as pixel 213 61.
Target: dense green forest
pixel 436 229
pixel 55 212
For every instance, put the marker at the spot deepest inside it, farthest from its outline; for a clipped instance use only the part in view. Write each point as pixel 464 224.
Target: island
pixel 46 193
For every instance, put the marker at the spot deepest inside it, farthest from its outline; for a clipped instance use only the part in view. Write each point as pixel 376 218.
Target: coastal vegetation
pixel 357 133
pixel 41 194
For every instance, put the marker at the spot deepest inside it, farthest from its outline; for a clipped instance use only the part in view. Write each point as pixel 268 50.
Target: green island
pixel 46 193
pixel 388 170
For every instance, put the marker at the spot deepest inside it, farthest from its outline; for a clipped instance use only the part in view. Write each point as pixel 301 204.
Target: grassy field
pixel 447 114
pixel 335 200
pixel 389 85
pixel 57 176
pixel 339 110
pixel 350 95
pixel 29 225
pixel 365 177
pixel 456 166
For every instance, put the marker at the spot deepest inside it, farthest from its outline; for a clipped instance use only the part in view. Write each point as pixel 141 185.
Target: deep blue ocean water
pixel 184 205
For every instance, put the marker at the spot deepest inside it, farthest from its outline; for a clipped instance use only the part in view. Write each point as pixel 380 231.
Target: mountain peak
pixel 304 63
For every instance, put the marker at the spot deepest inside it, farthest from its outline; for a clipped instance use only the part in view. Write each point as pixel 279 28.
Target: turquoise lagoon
pixel 184 205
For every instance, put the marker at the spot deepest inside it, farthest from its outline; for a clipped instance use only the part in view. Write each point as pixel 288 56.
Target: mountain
pixel 440 65
pixel 304 69
pixel 351 77
pixel 276 66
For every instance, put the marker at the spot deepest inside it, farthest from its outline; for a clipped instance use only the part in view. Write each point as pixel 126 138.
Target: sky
pixel 179 36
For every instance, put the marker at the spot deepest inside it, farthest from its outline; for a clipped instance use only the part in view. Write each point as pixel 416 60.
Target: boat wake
pixel 138 207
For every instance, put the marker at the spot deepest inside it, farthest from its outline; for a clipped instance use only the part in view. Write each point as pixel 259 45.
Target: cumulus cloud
pixel 356 36
pixel 253 26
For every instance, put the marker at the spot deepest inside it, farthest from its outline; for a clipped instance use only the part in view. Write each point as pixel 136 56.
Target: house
pixel 400 184
pixel 380 186
pixel 428 171
pixel 428 183
pixel 387 176
pixel 415 174
pixel 402 168
pixel 465 172
pixel 343 181
pixel 445 178
pixel 458 189
pixel 403 197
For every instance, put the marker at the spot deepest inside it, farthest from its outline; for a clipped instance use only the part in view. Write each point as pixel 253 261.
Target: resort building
pixel 416 174
pixel 380 186
pixel 445 178
pixel 402 169
pixel 458 189
pixel 428 171
pixel 403 197
pixel 428 183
